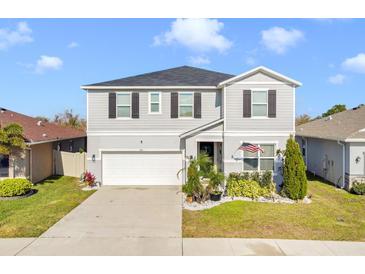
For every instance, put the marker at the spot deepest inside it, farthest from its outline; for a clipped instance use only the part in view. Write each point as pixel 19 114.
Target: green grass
pixel 334 214
pixel 30 217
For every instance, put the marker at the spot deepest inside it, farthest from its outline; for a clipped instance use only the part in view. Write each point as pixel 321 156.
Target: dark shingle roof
pixel 179 76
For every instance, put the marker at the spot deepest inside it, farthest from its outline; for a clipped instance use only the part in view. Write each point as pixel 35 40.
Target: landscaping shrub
pixel 246 188
pixel 216 180
pixel 14 187
pixel 89 178
pixel 358 187
pixel 266 179
pixel 254 176
pixel 193 186
pixel 295 179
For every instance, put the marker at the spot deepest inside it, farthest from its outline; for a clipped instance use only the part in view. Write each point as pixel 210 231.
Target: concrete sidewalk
pixel 189 247
pixel 269 247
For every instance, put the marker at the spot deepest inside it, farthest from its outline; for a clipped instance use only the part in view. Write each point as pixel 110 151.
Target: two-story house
pixel 144 129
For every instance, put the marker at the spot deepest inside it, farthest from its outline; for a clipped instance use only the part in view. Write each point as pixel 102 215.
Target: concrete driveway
pixel 118 221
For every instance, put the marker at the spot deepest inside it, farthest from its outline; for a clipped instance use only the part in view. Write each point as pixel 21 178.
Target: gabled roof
pixel 348 125
pixel 35 131
pixel 179 76
pixel 264 70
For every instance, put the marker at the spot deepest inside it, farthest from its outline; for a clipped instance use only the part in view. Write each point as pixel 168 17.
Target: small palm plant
pixel 216 180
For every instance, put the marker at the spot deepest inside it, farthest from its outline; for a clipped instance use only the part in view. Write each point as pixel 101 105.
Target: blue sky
pixel 45 61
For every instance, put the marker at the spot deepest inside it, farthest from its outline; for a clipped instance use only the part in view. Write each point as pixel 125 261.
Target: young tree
pixel 295 179
pixel 335 109
pixel 69 119
pixel 302 119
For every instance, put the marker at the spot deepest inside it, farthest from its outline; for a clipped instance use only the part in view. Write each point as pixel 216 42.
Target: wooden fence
pixel 68 163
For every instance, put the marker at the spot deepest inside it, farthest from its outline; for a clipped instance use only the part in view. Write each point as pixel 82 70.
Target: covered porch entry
pixel 213 150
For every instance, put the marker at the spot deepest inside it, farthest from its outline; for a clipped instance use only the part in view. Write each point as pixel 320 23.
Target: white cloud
pixel 196 34
pixel 21 35
pixel 45 63
pixel 337 79
pixel 199 60
pixel 278 39
pixel 73 44
pixel 355 64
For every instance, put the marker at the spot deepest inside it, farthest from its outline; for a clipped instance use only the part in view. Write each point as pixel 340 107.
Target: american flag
pixel 250 147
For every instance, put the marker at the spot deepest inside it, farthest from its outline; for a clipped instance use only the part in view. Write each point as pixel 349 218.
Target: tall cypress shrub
pixel 295 178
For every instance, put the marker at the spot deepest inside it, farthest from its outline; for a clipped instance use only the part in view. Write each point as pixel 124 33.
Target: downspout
pixel 343 162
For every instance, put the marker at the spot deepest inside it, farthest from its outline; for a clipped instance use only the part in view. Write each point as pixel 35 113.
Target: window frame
pixel 150 102
pixel 259 157
pixel 123 105
pixel 192 105
pixel 267 103
pixel 6 175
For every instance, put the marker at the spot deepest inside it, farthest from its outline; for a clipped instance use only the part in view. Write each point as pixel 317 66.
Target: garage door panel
pixel 141 168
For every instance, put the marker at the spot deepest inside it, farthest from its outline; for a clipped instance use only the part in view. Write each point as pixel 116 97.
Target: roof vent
pixel 39 123
pixel 329 118
pixel 44 135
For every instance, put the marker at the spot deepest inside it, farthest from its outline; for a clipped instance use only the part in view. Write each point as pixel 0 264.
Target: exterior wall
pixel 232 143
pixel 77 144
pixel 285 96
pixel 41 161
pixel 356 163
pixel 324 158
pixel 19 164
pixel 98 113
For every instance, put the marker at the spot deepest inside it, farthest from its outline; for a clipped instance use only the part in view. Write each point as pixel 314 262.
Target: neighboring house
pixel 144 129
pixel 36 160
pixel 334 147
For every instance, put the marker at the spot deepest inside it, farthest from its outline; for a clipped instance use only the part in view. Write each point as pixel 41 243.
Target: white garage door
pixel 141 168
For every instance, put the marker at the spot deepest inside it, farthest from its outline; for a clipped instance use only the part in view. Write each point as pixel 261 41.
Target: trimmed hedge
pixel 238 187
pixel 14 187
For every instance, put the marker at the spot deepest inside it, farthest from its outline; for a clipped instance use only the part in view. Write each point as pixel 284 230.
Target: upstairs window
pixel 155 102
pixel 259 103
pixel 186 102
pixel 123 105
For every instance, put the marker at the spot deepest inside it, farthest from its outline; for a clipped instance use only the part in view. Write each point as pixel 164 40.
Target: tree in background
pixel 302 119
pixel 42 118
pixel 335 109
pixel 69 119
pixel 295 178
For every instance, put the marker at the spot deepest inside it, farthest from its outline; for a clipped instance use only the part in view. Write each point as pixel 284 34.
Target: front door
pixel 207 148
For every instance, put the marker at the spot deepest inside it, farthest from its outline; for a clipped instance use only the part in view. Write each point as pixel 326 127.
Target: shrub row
pixel 14 187
pixel 263 179
pixel 247 188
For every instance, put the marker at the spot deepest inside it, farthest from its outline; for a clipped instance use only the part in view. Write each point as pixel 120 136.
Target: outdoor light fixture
pixel 93 158
pixel 357 160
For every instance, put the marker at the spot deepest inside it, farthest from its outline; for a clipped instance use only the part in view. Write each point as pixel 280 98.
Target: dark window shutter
pixel 272 104
pixel 197 105
pixel 135 105
pixel 112 105
pixel 247 103
pixel 174 105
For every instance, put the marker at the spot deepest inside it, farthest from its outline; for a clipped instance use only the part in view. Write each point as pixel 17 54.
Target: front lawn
pixel 333 215
pixel 30 217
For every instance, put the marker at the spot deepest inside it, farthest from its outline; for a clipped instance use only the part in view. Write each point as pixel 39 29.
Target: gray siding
pixel 356 151
pixel 98 114
pixel 284 120
pixel 318 151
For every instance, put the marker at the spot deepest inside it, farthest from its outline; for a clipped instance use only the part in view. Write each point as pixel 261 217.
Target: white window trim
pixel 130 106
pixel 192 105
pixel 150 102
pixel 267 103
pixel 258 157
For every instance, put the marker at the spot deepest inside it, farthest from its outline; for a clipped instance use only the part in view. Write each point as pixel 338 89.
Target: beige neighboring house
pixel 36 161
pixel 334 147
